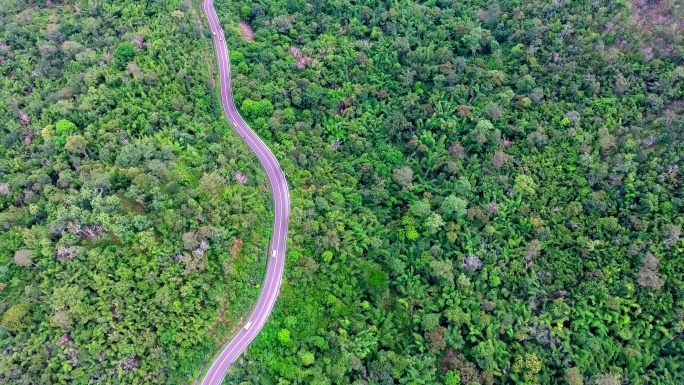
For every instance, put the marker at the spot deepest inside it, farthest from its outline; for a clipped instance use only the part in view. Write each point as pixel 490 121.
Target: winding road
pixel 281 199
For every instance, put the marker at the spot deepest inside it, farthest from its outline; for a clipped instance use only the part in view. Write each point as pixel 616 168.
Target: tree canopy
pixel 133 221
pixel 482 192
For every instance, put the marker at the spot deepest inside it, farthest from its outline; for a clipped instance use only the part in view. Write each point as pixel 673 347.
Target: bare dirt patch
pixel 235 247
pixel 246 31
pixel 300 59
pixel 661 26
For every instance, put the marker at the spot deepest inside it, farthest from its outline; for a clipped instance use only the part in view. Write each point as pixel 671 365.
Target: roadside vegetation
pixel 132 219
pixel 482 192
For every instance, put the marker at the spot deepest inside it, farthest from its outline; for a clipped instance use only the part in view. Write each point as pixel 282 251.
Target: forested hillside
pixel 131 217
pixel 483 192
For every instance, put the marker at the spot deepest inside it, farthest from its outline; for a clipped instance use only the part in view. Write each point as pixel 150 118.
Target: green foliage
pixel 377 280
pixel 13 318
pixel 573 376
pixel 529 365
pixel 452 378
pixel 124 52
pixel 454 207
pixel 327 256
pixel 284 337
pixel 307 358
pixel 254 109
pixel 525 185
pixel 109 128
pixel 420 209
pixel 63 128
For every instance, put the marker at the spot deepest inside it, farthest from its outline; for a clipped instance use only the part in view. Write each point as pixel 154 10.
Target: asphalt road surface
pixel 281 198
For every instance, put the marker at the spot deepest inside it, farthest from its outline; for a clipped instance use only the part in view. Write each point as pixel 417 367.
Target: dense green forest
pixel 131 216
pixel 483 192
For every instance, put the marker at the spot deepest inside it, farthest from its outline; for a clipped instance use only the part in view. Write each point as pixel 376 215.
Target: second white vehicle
pixel 248 324
pixel 275 252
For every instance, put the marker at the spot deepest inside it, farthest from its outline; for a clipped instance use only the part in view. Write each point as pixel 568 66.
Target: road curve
pixel 281 199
